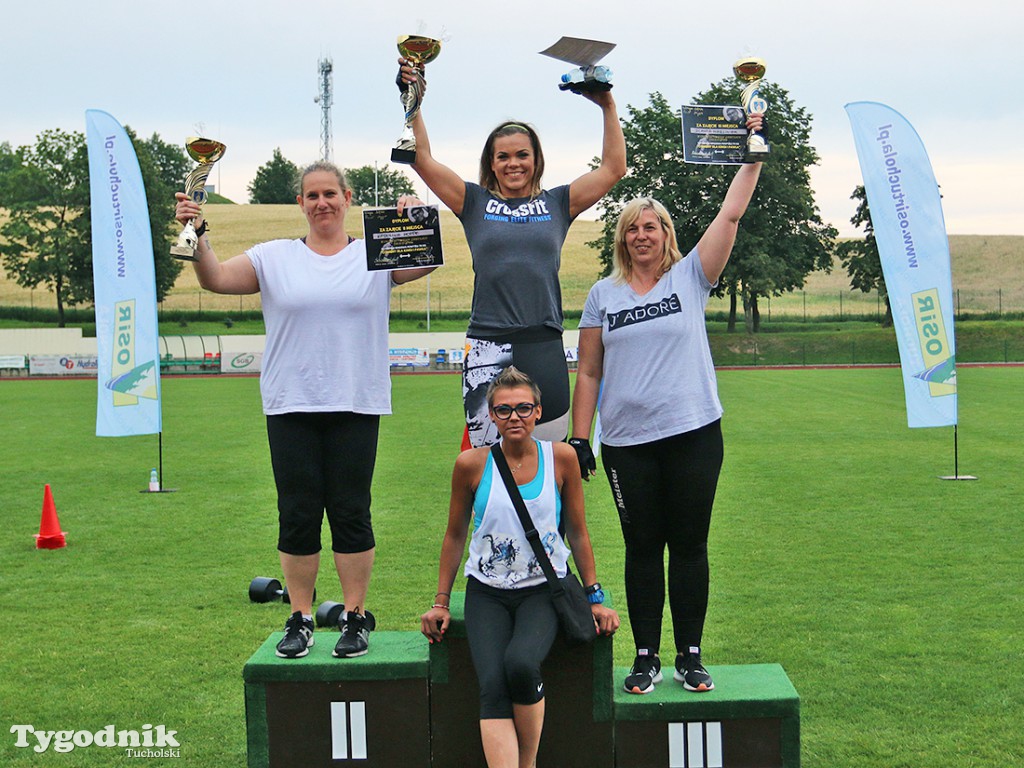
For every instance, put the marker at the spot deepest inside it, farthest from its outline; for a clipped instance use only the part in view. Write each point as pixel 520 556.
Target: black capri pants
pixel 510 633
pixel 323 461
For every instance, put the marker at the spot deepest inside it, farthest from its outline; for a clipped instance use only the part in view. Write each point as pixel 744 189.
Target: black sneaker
pixel 645 673
pixel 298 637
pixel 355 634
pixel 691 673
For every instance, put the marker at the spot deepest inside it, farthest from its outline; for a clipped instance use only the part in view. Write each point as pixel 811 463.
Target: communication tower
pixel 326 100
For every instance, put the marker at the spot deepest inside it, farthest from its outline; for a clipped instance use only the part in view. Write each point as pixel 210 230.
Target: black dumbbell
pixel 328 614
pixel 266 590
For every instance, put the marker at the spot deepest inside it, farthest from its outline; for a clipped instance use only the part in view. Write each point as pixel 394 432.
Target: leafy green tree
pixel 275 181
pixel 860 257
pixel 370 185
pixel 47 239
pixel 781 238
pixel 10 162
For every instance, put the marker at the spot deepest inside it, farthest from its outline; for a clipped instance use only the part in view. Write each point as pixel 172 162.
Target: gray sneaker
pixel 298 637
pixel 355 634
pixel 691 673
pixel 646 671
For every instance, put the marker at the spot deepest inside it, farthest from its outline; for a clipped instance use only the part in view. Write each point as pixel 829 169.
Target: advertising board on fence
pixel 408 356
pixel 62 365
pixel 241 362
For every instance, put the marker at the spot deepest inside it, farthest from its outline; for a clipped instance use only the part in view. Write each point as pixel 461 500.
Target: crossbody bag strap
pixel 524 517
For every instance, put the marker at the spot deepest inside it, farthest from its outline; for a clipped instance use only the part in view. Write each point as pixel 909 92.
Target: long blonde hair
pixel 622 265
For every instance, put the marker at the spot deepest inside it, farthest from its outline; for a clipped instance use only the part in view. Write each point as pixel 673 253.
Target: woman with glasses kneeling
pixel 510 620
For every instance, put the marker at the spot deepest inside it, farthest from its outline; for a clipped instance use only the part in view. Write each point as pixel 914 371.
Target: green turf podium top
pixel 392 656
pixel 741 691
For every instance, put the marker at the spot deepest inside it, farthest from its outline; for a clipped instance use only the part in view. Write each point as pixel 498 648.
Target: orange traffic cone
pixel 50 535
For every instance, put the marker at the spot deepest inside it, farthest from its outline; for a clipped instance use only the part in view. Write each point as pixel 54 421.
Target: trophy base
pixel 184 253
pixel 757 149
pixel 403 156
pixel 587 86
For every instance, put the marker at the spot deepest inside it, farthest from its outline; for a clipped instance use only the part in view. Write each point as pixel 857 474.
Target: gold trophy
pixel 750 70
pixel 206 152
pixel 420 51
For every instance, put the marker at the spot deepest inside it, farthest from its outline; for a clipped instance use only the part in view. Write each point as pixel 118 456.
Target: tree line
pixel 782 239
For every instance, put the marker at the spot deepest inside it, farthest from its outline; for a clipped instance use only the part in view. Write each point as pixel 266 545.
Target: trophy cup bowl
pixel 206 152
pixel 420 51
pixel 750 70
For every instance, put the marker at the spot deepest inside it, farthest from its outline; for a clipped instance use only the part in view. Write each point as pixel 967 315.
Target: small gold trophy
pixel 750 70
pixel 420 51
pixel 206 152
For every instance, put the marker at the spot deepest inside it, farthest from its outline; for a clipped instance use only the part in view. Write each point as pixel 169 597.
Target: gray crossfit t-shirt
pixel 517 251
pixel 658 378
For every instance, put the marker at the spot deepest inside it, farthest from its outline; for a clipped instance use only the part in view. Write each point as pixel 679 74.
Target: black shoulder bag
pixel 571 604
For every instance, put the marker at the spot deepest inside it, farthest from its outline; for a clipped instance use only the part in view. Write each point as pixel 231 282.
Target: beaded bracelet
pixel 438 605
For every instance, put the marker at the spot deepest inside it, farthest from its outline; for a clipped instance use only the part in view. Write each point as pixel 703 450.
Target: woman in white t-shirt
pixel 643 338
pixel 324 385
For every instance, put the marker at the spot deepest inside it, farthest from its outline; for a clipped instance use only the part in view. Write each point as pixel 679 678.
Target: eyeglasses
pixel 523 410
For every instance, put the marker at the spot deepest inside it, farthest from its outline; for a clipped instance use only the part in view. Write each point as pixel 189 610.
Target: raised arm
pixel 716 243
pixel 234 276
pixel 442 180
pixel 592 186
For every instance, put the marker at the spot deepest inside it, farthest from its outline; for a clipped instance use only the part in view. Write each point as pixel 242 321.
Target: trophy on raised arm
pixel 206 152
pixel 420 51
pixel 750 70
pixel 587 77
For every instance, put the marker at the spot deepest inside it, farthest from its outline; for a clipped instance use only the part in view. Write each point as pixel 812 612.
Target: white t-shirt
pixel 658 378
pixel 327 329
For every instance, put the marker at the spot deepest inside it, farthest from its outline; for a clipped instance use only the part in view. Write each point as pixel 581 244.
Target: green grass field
pixel 891 598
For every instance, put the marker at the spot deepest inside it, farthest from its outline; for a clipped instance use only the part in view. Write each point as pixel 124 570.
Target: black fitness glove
pixel 402 85
pixel 585 456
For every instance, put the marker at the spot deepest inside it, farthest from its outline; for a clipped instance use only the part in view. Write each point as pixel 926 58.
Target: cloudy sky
pixel 246 73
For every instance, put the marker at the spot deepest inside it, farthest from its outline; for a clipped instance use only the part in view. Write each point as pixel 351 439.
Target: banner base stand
pixel 957 477
pixel 162 490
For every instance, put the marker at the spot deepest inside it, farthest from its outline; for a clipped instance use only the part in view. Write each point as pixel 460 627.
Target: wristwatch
pixel 595 595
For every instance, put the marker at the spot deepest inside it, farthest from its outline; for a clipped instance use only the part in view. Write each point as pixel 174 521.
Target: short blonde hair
pixel 510 378
pixel 622 265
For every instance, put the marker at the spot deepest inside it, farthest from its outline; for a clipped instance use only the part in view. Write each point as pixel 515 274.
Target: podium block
pixel 750 720
pixel 370 711
pixel 577 694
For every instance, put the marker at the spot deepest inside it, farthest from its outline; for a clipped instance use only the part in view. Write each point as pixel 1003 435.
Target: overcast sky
pixel 246 74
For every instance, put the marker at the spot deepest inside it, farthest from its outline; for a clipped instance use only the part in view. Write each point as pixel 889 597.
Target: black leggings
pixel 510 632
pixel 323 461
pixel 664 491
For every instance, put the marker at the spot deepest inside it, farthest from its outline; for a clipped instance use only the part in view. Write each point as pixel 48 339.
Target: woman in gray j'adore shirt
pixel 642 336
pixel 515 230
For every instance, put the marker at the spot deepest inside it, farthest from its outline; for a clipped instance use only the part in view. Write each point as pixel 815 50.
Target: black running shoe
pixel 355 634
pixel 691 673
pixel 298 637
pixel 645 673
